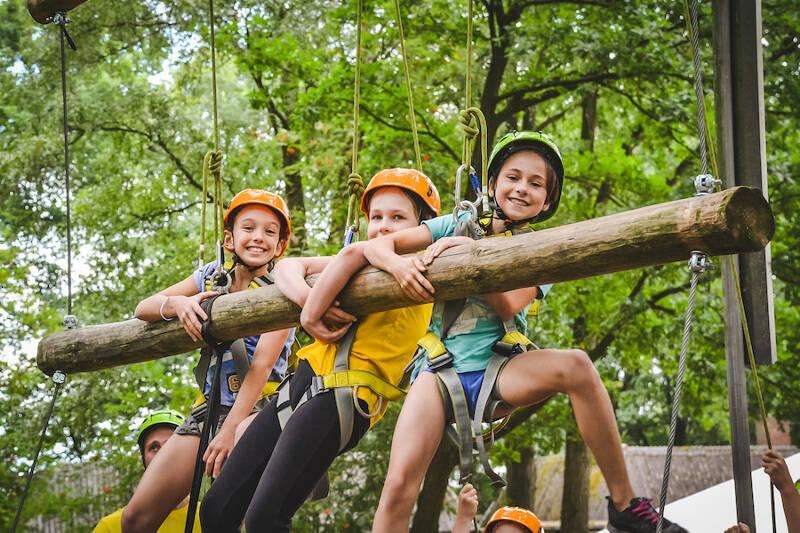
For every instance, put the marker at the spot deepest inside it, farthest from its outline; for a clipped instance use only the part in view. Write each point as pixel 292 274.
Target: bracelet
pixel 161 310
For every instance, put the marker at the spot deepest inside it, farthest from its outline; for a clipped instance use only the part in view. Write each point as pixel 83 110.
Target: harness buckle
pixel 507 349
pixel 317 386
pixel 443 360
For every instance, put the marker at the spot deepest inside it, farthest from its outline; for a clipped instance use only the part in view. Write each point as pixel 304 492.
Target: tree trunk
pixel 431 499
pixel 732 221
pixel 295 199
pixel 521 480
pixel 575 500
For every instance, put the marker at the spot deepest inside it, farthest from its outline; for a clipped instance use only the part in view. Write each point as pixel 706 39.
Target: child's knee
pixel 400 489
pixel 580 371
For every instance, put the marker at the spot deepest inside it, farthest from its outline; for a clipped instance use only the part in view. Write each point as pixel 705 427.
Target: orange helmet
pixel 261 197
pixel 518 515
pixel 408 179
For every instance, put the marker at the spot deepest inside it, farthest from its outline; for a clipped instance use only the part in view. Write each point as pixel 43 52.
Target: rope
pixel 70 321
pixel 676 399
pixel 58 378
pixel 703 122
pixel 471 122
pixel 409 90
pixel 355 184
pixel 212 162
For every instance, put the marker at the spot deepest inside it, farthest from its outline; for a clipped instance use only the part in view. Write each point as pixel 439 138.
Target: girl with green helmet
pixel 464 342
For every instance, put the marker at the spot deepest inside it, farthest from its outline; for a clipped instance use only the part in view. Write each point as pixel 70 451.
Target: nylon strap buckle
pixel 440 361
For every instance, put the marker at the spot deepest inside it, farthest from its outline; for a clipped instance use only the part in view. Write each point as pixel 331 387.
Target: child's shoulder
pixel 441 226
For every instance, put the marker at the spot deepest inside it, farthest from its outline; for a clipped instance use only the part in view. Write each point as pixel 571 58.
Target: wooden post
pixel 734 220
pixel 741 139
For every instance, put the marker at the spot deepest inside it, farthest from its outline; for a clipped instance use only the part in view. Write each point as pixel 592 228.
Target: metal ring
pixel 463 206
pixel 358 406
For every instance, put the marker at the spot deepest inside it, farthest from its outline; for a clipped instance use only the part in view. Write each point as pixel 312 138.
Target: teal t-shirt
pixel 475 332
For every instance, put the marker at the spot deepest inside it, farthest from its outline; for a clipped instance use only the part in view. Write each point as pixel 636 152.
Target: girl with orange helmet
pixel 293 440
pixel 257 230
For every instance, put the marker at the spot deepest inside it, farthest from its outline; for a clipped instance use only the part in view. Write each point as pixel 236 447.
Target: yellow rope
pixel 409 90
pixel 355 184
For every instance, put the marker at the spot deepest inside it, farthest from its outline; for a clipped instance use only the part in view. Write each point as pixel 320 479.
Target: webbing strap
pixel 284 408
pixel 362 378
pixel 450 386
pixel 344 395
pixel 484 411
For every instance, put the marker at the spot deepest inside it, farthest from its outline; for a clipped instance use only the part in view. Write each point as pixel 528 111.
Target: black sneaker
pixel 638 517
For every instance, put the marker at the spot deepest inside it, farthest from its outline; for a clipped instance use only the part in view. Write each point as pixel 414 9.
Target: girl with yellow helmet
pixel 256 232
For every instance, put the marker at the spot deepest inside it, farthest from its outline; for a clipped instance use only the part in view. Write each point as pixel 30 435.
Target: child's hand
pixel 776 468
pixel 467 508
pixel 319 329
pixel 335 315
pixel 188 311
pixel 436 249
pixel 218 450
pixel 408 272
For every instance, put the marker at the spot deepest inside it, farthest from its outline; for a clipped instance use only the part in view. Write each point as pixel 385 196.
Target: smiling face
pixel 256 235
pixel 520 188
pixel 154 441
pixel 390 210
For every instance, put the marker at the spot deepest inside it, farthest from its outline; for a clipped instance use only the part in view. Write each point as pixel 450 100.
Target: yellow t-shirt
pixel 175 522
pixel 384 344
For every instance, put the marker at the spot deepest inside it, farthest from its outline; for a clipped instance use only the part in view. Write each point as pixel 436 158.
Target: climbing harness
pixel 468 433
pixel 706 183
pixel 237 348
pixel 44 13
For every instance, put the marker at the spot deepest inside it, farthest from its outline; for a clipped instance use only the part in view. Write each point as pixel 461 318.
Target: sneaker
pixel 639 517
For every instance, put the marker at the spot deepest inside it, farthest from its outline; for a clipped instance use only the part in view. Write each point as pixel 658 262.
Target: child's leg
pixel 164 485
pixel 532 377
pixel 416 438
pixel 224 505
pixel 307 447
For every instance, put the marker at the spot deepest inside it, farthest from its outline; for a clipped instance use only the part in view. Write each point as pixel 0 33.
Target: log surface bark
pixel 736 220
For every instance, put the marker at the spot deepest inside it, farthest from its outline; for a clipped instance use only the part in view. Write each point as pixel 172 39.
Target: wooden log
pixel 43 11
pixel 732 221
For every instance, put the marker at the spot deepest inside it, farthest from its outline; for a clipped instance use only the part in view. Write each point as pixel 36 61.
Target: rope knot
pixel 355 184
pixel 468 123
pixel 215 158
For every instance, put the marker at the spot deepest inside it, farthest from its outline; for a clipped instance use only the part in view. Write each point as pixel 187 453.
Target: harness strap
pixel 344 395
pixel 485 408
pixel 450 387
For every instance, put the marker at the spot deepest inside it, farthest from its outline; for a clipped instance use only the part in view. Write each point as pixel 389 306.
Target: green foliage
pixel 140 123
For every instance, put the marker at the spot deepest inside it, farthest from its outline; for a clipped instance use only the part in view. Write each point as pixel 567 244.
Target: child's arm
pixel 775 466
pixel 505 304
pixel 384 251
pixel 180 300
pixel 322 297
pixel 269 347
pixel 467 508
pixel 290 277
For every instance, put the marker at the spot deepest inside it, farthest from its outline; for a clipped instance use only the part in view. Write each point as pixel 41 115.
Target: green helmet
pixel 164 417
pixel 542 144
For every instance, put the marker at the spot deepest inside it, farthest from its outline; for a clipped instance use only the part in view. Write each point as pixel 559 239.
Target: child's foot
pixel 638 517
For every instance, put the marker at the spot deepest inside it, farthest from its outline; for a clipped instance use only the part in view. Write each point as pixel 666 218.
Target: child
pixel 504 520
pixel 156 429
pixel 257 230
pixel 273 470
pixel 525 178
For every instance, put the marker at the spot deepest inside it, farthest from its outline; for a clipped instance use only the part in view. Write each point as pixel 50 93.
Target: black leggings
pixel 278 470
